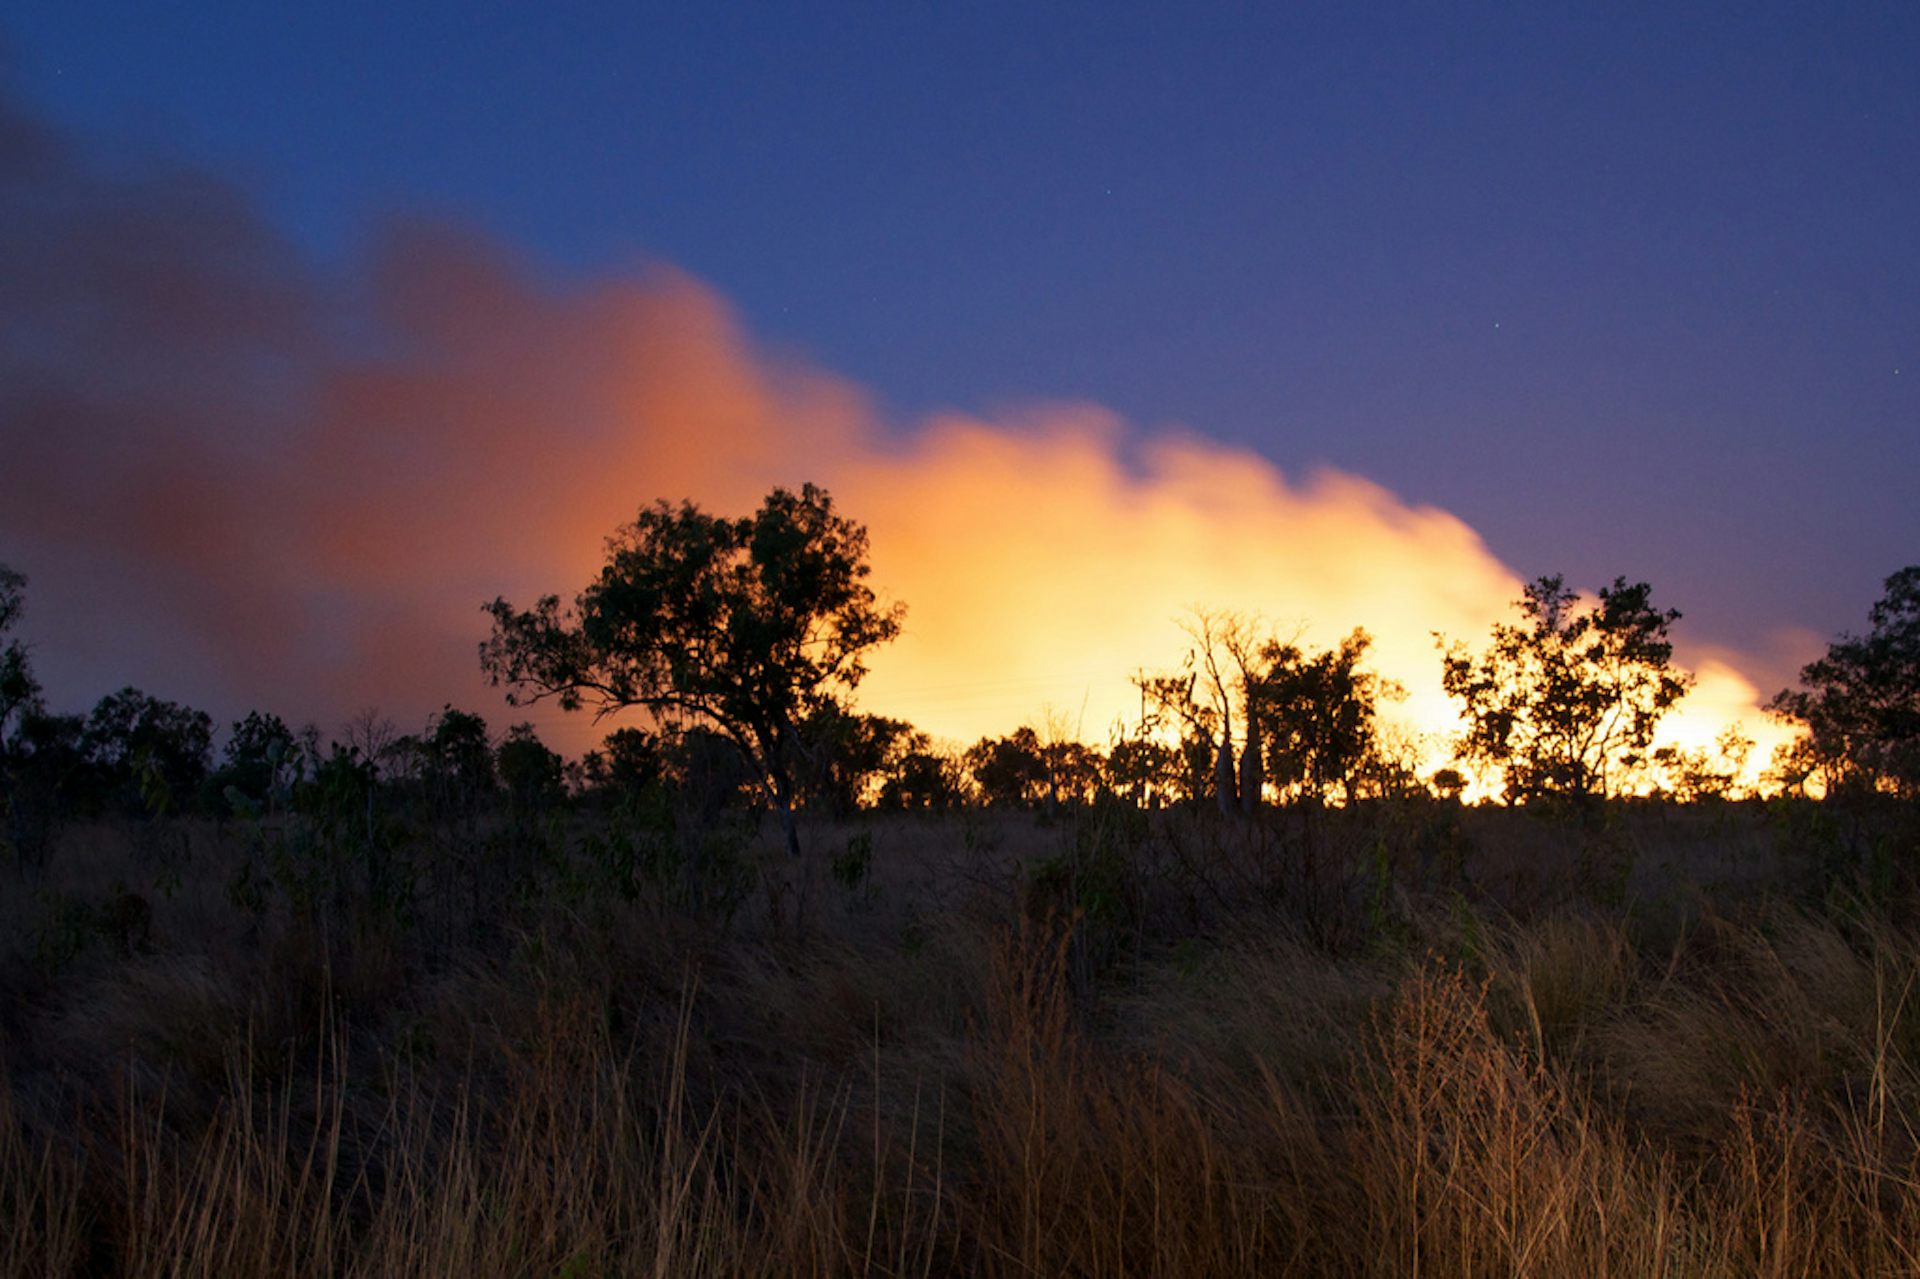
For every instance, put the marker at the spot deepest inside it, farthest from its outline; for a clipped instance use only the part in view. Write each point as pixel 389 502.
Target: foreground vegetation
pixel 1392 1039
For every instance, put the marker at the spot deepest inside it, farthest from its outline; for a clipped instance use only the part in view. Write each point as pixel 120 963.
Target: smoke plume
pixel 238 482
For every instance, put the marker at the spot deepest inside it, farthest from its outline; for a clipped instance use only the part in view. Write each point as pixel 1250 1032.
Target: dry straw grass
pixel 1568 1090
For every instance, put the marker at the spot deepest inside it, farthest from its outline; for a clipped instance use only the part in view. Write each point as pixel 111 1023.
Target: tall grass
pixel 1473 1091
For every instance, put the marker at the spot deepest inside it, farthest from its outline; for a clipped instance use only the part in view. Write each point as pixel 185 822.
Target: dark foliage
pixel 1861 702
pixel 742 624
pixel 149 756
pixel 1317 714
pixel 1567 702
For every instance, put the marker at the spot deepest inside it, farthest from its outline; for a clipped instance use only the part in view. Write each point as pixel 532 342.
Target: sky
pixel 1368 312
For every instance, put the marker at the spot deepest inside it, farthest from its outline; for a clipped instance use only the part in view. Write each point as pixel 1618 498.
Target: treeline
pixel 744 639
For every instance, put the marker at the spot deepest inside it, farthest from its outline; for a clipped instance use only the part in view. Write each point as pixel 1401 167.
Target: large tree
pixel 1318 715
pixel 1860 703
pixel 748 625
pixel 1566 703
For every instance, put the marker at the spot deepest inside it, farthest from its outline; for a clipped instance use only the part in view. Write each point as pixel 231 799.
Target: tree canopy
pixel 1317 713
pixel 151 754
pixel 1568 701
pixel 1861 702
pixel 746 624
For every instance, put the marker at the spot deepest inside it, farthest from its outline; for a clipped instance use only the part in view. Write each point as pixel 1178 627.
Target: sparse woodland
pixel 773 986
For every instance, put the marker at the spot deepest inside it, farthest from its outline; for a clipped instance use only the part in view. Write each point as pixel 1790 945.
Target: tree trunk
pixel 772 758
pixel 1224 792
pixel 783 801
pixel 792 831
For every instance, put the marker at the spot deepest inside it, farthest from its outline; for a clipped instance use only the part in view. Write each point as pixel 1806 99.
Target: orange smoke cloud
pixel 316 523
pixel 1047 570
pixel 1044 557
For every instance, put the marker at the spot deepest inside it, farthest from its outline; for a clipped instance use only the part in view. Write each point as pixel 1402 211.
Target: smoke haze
pixel 239 483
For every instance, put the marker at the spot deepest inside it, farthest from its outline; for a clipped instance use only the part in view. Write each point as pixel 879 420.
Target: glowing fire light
pixel 1044 557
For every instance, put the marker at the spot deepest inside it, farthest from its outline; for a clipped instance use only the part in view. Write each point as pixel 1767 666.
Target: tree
pixel 1076 772
pixel 1009 771
pixel 1175 703
pixel 1143 770
pixel 1567 702
pixel 531 772
pixel 257 762
pixel 1317 715
pixel 19 691
pixel 46 765
pixel 706 772
pixel 1860 703
pixel 922 778
pixel 152 755
pixel 843 755
pixel 744 624
pixel 40 754
pixel 458 757
pixel 1024 768
pixel 1702 773
pixel 627 763
pixel 1197 702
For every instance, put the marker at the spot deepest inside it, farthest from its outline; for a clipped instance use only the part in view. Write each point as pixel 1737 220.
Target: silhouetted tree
pixel 922 778
pixel 1023 769
pixel 41 755
pixel 1008 771
pixel 1701 773
pixel 1860 703
pixel 1567 701
pixel 743 624
pixel 530 771
pixel 256 762
pixel 1143 770
pixel 1172 703
pixel 1318 717
pixel 852 760
pixel 45 778
pixel 844 755
pixel 458 764
pixel 1075 771
pixel 707 771
pixel 19 691
pixel 150 755
pixel 1198 702
pixel 627 763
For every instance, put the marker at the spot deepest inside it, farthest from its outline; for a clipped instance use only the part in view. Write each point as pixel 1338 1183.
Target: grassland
pixel 1399 1040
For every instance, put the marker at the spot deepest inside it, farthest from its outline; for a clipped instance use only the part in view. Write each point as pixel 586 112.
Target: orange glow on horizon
pixel 1045 555
pixel 1041 573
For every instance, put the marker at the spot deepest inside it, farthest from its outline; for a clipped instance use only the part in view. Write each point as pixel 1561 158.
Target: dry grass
pixel 941 1077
